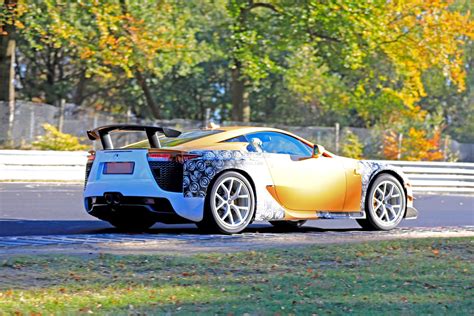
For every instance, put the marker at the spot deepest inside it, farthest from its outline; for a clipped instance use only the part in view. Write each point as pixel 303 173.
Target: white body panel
pixel 140 183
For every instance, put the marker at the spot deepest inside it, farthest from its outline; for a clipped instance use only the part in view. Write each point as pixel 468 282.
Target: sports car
pixel 224 178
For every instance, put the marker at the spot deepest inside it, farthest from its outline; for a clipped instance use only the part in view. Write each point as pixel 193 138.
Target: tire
pixel 288 224
pixel 132 225
pixel 230 195
pixel 385 204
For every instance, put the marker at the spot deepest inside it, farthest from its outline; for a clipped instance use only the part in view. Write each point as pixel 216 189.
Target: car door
pixel 302 183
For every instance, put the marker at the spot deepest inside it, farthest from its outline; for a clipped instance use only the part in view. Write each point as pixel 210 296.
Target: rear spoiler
pixel 103 133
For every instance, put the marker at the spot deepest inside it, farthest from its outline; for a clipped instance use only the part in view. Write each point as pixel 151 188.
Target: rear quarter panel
pixel 199 174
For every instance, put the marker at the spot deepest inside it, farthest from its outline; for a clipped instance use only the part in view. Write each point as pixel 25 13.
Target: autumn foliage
pixel 310 62
pixel 416 144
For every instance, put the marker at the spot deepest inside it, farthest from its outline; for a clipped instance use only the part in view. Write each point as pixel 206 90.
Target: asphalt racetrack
pixel 53 208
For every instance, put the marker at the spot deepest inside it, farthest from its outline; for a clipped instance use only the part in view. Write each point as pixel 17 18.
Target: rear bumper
pixel 141 183
pixel 157 209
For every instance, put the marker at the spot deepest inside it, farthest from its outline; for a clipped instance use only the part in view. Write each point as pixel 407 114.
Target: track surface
pixel 28 209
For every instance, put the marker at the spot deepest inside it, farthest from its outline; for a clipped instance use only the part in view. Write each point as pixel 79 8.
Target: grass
pixel 425 276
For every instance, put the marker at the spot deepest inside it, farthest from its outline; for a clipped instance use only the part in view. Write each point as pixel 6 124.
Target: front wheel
pixel 230 204
pixel 385 204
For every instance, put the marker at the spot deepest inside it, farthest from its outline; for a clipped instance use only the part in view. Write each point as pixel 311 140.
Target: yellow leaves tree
pixel 421 34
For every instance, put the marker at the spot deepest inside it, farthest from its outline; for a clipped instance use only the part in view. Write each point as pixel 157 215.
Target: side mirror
pixel 318 150
pixel 255 145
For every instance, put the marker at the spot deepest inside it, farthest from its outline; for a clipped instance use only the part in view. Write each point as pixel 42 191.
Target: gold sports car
pixel 222 179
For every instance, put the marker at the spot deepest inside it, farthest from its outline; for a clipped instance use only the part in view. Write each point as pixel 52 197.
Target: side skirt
pixel 340 215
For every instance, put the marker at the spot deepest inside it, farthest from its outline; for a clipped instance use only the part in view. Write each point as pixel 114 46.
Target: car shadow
pixel 21 227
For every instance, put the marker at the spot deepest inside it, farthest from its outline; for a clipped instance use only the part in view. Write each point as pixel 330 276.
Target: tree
pixel 8 11
pixel 378 51
pixel 250 60
pixel 131 39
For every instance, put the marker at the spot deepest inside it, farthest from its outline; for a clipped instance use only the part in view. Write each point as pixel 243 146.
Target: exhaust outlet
pixel 116 199
pixel 113 198
pixel 108 198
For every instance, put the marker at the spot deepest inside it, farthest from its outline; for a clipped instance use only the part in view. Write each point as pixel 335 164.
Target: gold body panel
pixel 353 185
pixel 309 184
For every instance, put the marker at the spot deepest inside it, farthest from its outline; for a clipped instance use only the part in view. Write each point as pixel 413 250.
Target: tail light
pixel 159 157
pixel 181 158
pixel 91 156
pixel 185 157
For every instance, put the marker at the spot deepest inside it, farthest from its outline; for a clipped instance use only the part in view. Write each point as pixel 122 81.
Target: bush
pixel 53 139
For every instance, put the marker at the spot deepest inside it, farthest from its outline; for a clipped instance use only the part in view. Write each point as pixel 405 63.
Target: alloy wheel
pixel 231 202
pixel 387 201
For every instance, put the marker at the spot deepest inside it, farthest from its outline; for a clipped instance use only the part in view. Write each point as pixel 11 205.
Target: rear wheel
pixel 288 224
pixel 385 204
pixel 132 225
pixel 230 204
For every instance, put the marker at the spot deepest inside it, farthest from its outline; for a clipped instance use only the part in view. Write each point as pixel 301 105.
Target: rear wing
pixel 103 133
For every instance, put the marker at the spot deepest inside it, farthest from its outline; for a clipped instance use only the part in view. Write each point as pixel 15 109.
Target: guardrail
pixel 39 165
pixel 24 165
pixel 443 177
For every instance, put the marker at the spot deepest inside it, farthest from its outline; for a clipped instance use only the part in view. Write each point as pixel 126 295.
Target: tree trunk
pixel 152 105
pixel 240 98
pixel 80 89
pixel 154 108
pixel 7 75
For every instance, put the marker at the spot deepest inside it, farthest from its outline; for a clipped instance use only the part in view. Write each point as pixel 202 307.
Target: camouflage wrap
pixel 199 172
pixel 370 169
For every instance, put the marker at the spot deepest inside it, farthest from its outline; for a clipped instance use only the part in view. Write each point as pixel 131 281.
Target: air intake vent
pixel 88 171
pixel 168 175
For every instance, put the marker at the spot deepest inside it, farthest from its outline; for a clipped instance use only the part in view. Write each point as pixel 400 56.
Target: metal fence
pixel 29 118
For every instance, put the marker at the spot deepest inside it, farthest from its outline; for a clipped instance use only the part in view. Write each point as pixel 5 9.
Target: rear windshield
pixel 175 141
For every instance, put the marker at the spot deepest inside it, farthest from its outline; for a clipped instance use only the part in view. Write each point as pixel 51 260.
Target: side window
pixel 278 143
pixel 238 139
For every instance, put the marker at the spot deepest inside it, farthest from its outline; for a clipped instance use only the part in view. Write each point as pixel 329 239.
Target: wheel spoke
pixel 392 211
pixel 387 217
pixel 220 197
pixel 231 217
pixel 382 194
pixel 390 194
pixel 378 204
pixel 237 211
pixel 220 205
pixel 231 185
pixel 237 192
pixel 227 212
pixel 226 190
